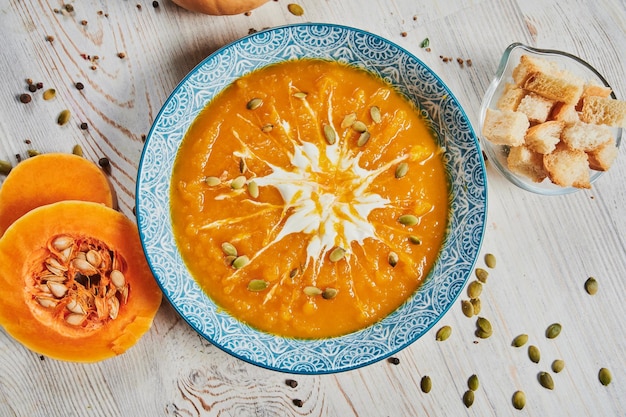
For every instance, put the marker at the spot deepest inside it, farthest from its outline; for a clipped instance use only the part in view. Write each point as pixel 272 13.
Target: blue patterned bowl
pixel 467 195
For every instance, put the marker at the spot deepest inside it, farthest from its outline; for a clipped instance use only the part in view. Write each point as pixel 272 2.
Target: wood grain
pixel 546 247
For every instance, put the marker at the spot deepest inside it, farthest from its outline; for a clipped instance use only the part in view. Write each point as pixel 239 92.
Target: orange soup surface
pixel 309 199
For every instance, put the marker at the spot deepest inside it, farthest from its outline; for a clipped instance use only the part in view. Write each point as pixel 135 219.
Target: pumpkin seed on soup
pixel 253 189
pixel 359 126
pixel 212 181
pixel 393 259
pixel 253 104
pixel 375 114
pixel 348 120
pixel 363 139
pixel 401 169
pixel 408 220
pixel 329 293
pixel 240 261
pixel 229 249
pixel 330 135
pixel 258 285
pixel 415 240
pixel 312 291
pixel 337 254
pixel 238 182
pixel 300 95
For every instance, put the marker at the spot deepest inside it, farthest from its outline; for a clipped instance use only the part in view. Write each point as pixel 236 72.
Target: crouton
pixel 510 98
pixel 505 127
pixel 535 107
pixel 561 86
pixel 543 138
pixel 567 167
pixel 602 157
pixel 564 112
pixel 584 136
pixel 529 65
pixel 524 161
pixel 604 111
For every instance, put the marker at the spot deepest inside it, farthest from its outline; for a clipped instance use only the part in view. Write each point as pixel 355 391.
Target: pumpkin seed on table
pixel 77 150
pixel 519 400
pixel 558 365
pixel 484 325
pixel 534 354
pixel 546 381
pixel 490 260
pixel 605 377
pixel 295 9
pixel 553 330
pixel 467 308
pixel 5 167
pixel 476 305
pixel 473 383
pixel 49 94
pixel 474 289
pixel 468 398
pixel 426 384
pixel 443 333
pixel 64 117
pixel 481 275
pixel 591 286
pixel 520 340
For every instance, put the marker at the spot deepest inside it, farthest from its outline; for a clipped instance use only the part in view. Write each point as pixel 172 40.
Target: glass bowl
pixel 497 154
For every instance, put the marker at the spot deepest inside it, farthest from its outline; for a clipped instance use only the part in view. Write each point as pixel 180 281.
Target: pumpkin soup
pixel 309 199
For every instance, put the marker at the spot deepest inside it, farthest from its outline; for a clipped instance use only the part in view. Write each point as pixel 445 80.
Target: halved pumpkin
pixel 74 282
pixel 220 7
pixel 48 178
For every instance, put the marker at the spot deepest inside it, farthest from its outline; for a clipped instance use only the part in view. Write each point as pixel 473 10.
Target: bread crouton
pixel 524 161
pixel 564 112
pixel 567 167
pixel 543 138
pixel 505 127
pixel 529 65
pixel 585 136
pixel 561 86
pixel 535 107
pixel 510 98
pixel 604 111
pixel 602 157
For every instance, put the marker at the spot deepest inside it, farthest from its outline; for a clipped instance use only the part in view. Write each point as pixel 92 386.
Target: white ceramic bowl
pixel 497 154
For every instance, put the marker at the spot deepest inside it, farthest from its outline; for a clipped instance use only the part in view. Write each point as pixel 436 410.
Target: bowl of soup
pixel 311 198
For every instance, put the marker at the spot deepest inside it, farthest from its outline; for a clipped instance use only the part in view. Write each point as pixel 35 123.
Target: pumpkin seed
pixel 375 114
pixel 443 333
pixel 363 139
pixel 330 135
pixel 359 126
pixel 591 286
pixel 258 285
pixel 558 365
pixel 534 354
pixel 32 152
pixel 312 291
pixel 300 95
pixel 295 9
pixel 393 259
pixel 482 334
pixel 476 304
pixel 467 308
pixel 468 398
pixel 255 103
pixel 253 189
pixel 519 400
pixel 426 384
pixel 240 261
pixel 329 293
pixel 293 273
pixel 117 278
pixel 229 249
pixel 238 182
pixel 266 128
pixel 47 302
pixel 57 289
pixel 553 330
pixel 402 169
pixel 474 289
pixel 490 260
pixel 484 325
pixel 61 243
pixel 77 150
pixel 49 94
pixel 408 220
pixel 605 377
pixel 64 117
pixel 5 167
pixel 348 120
pixel 545 379
pixel 230 259
pixel 482 275
pixel 415 240
pixel 473 383
pixel 75 319
pixel 520 340
pixel 242 166
pixel 337 254
pixel 212 181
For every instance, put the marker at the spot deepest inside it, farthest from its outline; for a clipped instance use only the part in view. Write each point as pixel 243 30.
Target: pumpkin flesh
pixel 56 301
pixel 220 7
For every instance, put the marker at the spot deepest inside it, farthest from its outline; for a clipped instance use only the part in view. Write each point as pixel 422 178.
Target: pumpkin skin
pixel 220 7
pixel 23 247
pixel 48 178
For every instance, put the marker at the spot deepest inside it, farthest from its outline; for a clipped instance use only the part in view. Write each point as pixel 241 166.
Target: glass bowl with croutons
pixel 549 121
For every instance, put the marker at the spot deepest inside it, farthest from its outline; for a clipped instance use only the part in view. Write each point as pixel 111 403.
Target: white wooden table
pixel 546 247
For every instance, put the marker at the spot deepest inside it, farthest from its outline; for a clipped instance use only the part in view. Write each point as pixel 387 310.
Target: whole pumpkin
pixel 220 7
